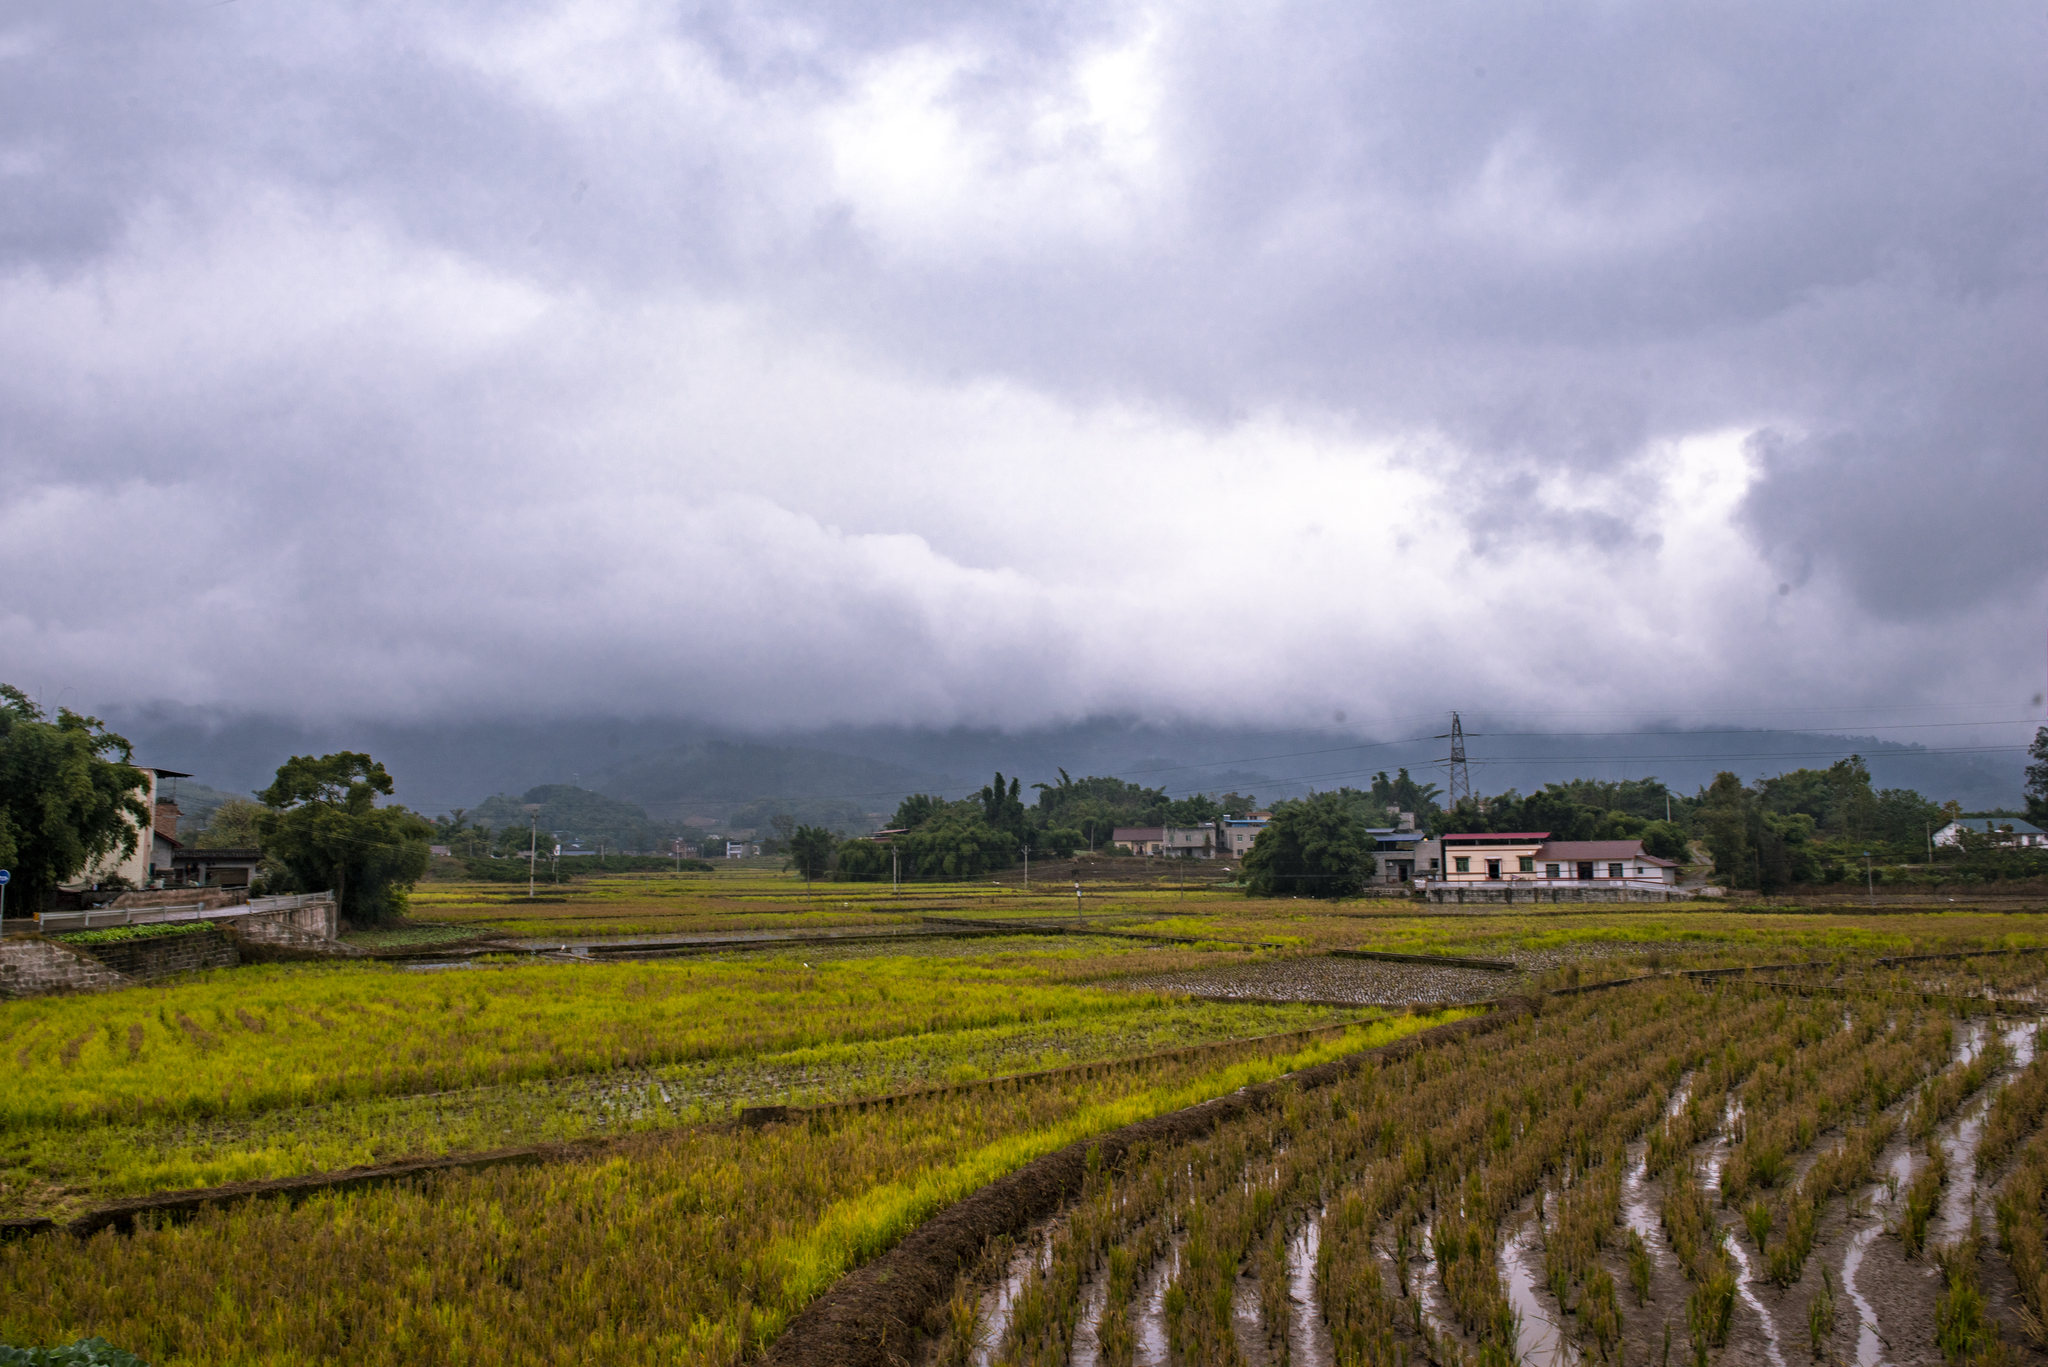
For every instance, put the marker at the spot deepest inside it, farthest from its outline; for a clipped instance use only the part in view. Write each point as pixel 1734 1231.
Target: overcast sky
pixel 787 365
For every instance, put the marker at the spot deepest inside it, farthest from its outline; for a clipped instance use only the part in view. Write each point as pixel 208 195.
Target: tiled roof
pixel 1988 825
pixel 1599 849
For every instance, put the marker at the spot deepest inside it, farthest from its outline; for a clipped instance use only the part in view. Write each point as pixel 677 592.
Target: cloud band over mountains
pixel 788 365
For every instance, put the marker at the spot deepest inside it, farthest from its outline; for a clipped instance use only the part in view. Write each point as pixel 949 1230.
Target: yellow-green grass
pixel 756 899
pixel 55 1169
pixel 233 1042
pixel 1686 928
pixel 693 1246
pixel 727 899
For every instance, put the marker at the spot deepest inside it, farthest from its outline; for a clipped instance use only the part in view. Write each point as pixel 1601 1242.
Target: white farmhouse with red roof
pixel 1533 857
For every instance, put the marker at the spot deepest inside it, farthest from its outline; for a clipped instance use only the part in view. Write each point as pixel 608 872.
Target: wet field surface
pixel 1860 1300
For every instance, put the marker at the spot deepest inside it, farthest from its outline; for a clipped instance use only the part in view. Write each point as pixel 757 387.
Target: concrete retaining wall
pixel 281 937
pixel 159 955
pixel 318 916
pixel 32 967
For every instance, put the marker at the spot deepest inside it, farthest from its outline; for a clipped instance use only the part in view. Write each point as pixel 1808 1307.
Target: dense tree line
pixel 1802 826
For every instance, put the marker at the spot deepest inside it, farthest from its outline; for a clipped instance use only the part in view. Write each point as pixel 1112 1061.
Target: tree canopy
pixel 1316 846
pixel 2037 779
pixel 572 815
pixel 69 797
pixel 236 825
pixel 324 830
pixel 810 851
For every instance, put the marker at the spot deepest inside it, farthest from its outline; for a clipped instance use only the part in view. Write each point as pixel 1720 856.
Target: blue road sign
pixel 3 878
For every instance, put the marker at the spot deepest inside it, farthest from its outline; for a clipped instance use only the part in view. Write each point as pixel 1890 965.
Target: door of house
pixel 1585 868
pixel 1493 868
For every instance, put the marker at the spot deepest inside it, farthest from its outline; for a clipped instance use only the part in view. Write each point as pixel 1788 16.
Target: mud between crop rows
pixel 876 1314
pixel 1858 1300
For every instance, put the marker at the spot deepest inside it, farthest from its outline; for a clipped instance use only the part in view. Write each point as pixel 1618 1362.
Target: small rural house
pixel 1533 857
pixel 1238 833
pixel 1185 842
pixel 2003 830
pixel 1399 850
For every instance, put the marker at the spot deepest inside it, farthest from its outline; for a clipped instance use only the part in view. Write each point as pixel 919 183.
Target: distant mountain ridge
pixel 675 769
pixel 708 778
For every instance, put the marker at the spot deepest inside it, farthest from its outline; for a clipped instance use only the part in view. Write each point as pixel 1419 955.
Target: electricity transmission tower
pixel 1459 784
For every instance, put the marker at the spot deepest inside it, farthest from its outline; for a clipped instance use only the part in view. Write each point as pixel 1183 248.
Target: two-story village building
pixel 1533 857
pixel 1185 842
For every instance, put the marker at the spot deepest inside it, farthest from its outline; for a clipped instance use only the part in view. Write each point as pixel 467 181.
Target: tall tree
pixel 237 824
pixel 68 797
pixel 811 849
pixel 2037 779
pixel 1754 846
pixel 1002 805
pixel 1313 847
pixel 324 830
pixel 916 810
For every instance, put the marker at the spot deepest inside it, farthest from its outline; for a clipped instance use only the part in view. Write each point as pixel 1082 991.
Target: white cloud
pixel 784 368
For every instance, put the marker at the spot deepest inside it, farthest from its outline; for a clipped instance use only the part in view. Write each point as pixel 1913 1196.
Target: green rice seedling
pixel 2016 1112
pixel 963 1323
pixel 1641 1270
pixel 1756 1218
pixel 1923 1196
pixel 1820 1316
pixel 1962 1324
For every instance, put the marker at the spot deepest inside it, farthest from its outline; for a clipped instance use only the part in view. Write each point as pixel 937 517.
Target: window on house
pixel 1614 870
pixel 1463 863
pixel 1550 870
pixel 1528 864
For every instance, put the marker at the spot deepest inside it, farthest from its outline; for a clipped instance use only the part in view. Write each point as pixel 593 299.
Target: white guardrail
pixel 53 921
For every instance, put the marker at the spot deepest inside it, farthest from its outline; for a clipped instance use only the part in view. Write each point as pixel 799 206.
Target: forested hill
pixel 672 768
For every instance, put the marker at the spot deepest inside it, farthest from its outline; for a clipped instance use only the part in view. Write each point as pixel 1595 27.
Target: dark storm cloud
pixel 841 340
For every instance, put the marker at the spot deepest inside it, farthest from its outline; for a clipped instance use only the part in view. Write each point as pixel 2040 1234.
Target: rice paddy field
pixel 1835 1152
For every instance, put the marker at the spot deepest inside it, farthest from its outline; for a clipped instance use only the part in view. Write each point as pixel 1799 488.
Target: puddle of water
pixel 1718 1147
pixel 1087 1349
pixel 1637 1211
pixel 1246 1323
pixel 1972 1042
pixel 2019 1041
pixel 1959 1196
pixel 1869 1347
pixel 1308 1339
pixel 1148 1327
pixel 1429 1289
pixel 1540 1340
pixel 1000 1300
pixel 1749 1297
